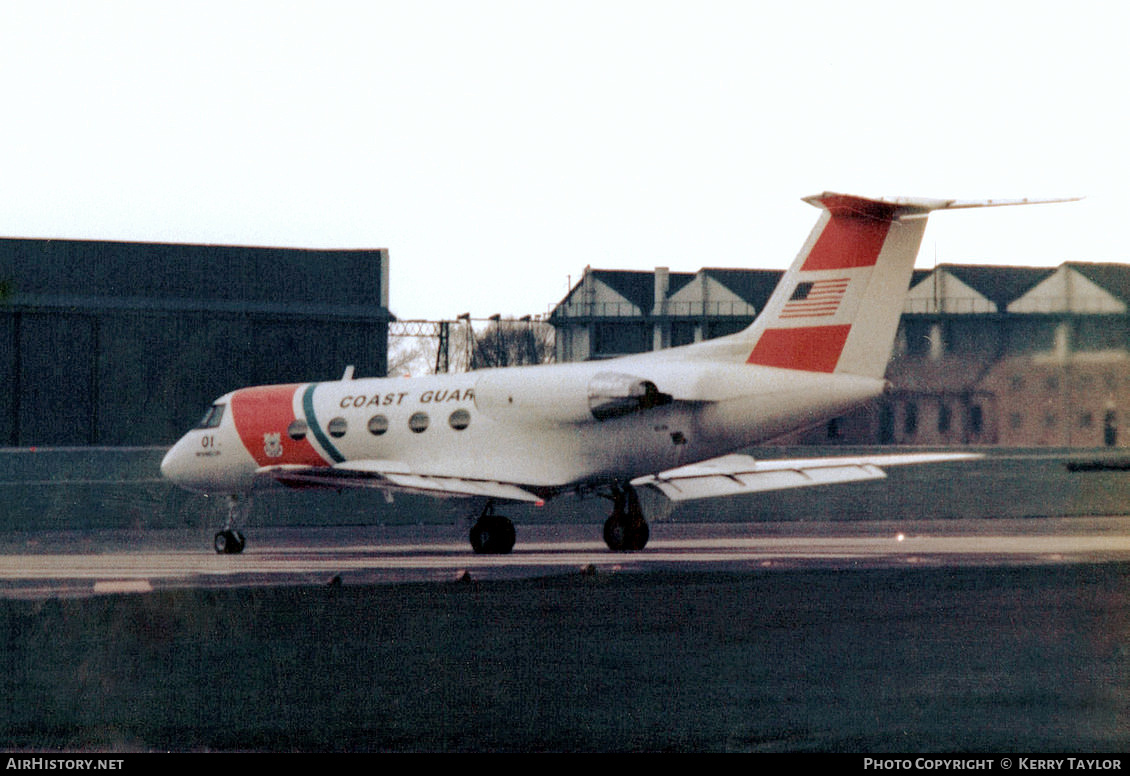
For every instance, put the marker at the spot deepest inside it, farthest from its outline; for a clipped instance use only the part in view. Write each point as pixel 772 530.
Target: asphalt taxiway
pixel 929 635
pixel 45 564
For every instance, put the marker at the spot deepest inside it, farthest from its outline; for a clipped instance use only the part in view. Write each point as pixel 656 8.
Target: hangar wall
pixel 119 343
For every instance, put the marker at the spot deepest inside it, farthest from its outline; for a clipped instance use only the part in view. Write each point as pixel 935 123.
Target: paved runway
pixel 44 564
pixel 928 636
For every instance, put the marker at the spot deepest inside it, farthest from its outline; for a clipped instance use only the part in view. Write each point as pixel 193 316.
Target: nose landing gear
pixel 231 541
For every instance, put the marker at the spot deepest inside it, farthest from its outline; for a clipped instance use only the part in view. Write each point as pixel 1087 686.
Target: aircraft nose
pixel 172 465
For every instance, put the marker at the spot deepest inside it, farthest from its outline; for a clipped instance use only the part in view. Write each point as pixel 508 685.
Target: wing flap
pixel 456 487
pixel 733 475
pixel 393 476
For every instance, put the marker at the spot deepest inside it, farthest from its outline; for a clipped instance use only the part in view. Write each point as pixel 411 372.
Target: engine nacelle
pixel 612 394
pixel 566 395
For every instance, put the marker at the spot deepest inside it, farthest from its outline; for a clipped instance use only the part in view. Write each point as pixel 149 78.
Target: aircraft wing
pixel 732 475
pixel 391 476
pixel 729 475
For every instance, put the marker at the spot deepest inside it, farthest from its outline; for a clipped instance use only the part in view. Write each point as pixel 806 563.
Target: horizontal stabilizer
pixel 733 475
pixel 912 205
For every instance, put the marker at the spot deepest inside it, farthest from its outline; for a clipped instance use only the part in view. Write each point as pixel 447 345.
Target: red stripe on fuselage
pixel 853 237
pixel 260 414
pixel 807 348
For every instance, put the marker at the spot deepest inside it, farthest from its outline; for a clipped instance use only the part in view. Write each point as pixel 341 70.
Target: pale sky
pixel 497 148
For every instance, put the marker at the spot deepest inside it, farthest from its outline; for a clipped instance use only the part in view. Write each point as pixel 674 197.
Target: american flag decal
pixel 815 299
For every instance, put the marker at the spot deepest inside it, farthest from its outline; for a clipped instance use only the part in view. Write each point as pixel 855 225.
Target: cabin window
pixel 337 427
pixel 212 417
pixel 378 424
pixel 297 429
pixel 418 423
pixel 459 419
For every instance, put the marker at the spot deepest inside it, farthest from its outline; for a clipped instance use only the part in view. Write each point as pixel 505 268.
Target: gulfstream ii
pixel 669 420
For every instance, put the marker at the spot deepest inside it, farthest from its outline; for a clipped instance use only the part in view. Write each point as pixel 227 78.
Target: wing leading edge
pixel 392 476
pixel 732 475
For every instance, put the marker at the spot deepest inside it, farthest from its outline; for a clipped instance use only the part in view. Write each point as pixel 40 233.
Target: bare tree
pixel 510 342
pixel 424 347
pixel 411 356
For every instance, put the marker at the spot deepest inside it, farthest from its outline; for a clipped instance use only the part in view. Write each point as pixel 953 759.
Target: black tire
pixel 623 534
pixel 228 542
pixel 493 535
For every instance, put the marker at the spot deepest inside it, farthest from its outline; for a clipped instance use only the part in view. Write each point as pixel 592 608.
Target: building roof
pixel 754 286
pixel 1113 278
pixel 636 286
pixel 158 274
pixel 1000 285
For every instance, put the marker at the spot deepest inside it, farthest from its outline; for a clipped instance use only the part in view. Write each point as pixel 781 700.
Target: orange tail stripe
pixel 847 242
pixel 808 348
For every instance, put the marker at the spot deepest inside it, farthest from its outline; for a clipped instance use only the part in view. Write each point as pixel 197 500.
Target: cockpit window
pixel 212 417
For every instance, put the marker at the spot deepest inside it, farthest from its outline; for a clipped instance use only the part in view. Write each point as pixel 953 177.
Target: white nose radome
pixel 182 467
pixel 172 465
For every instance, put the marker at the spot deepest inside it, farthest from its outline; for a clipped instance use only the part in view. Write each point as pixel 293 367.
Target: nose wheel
pixel 230 540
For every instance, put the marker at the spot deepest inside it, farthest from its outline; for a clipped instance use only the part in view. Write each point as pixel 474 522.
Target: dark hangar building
pixel 123 343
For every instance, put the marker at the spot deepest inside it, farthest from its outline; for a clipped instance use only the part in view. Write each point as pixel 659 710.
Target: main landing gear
pixel 492 534
pixel 626 530
pixel 230 541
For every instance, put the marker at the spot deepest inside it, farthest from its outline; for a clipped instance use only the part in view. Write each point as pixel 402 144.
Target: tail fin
pixel 837 309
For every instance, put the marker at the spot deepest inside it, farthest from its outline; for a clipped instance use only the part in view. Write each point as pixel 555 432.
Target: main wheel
pixel 623 533
pixel 492 535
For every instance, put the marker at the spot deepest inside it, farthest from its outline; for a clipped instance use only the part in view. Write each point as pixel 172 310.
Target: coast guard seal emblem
pixel 272 445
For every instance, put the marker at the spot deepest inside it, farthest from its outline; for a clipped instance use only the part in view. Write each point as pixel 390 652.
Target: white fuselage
pixel 534 426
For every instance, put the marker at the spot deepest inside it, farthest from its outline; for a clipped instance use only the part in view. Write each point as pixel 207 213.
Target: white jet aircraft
pixel 668 420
